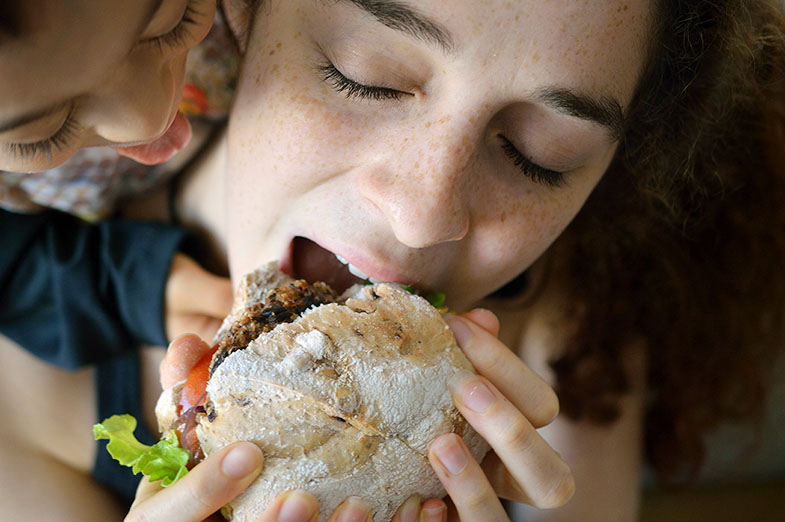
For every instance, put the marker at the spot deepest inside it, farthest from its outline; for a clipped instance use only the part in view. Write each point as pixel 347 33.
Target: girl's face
pixel 443 145
pixel 92 72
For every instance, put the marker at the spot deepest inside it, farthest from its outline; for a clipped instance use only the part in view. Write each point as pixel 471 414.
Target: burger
pixel 342 393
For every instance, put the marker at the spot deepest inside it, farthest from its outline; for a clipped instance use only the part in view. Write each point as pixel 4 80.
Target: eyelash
pixel 353 89
pixel 538 174
pixel 59 140
pixel 178 34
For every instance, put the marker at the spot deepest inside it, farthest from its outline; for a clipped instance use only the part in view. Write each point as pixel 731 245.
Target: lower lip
pixel 162 148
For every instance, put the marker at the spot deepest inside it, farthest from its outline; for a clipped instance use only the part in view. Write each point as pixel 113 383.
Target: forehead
pixel 62 48
pixel 589 45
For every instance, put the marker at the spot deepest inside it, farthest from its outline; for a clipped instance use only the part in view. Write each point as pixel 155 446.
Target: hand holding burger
pixel 342 394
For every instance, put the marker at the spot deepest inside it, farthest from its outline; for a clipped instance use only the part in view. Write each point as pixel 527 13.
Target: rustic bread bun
pixel 343 401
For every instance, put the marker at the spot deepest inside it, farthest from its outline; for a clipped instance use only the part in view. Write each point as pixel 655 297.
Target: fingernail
pixel 296 508
pixel 474 394
pixel 450 453
pixel 460 329
pixel 410 509
pixel 432 513
pixel 181 336
pixel 241 461
pixel 353 509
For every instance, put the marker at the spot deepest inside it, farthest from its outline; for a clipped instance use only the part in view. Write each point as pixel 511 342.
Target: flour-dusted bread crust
pixel 343 401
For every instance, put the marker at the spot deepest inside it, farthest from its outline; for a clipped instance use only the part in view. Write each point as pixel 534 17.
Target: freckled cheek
pixel 519 226
pixel 525 230
pixel 283 125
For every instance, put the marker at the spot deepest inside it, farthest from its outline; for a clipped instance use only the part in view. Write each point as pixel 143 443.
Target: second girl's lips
pixel 162 148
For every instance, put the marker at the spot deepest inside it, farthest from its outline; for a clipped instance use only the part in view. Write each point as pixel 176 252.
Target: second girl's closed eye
pixel 179 34
pixel 60 140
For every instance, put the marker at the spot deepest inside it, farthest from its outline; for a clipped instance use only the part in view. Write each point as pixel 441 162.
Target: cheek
pixel 281 128
pixel 520 225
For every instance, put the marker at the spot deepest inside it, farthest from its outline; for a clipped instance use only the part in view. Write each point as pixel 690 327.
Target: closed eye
pixel 536 173
pixel 60 140
pixel 352 89
pixel 179 34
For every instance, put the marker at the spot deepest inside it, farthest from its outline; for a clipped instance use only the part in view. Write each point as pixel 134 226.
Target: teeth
pixel 356 271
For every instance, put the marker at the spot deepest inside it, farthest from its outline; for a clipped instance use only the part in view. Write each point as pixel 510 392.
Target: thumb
pixel 204 490
pixel 181 356
pixel 191 289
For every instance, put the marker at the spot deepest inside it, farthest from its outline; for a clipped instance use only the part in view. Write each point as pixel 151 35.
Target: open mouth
pixel 314 263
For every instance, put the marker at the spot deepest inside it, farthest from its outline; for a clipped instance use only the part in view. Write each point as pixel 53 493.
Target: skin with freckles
pixel 421 189
pixel 92 72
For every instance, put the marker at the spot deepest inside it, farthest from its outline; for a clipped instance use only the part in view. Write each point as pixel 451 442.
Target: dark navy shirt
pixel 76 294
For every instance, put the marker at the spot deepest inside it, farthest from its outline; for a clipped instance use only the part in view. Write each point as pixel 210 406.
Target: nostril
pixel 426 221
pixel 460 227
pixel 421 209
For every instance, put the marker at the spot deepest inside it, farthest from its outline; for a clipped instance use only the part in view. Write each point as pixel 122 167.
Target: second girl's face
pixel 92 72
pixel 443 145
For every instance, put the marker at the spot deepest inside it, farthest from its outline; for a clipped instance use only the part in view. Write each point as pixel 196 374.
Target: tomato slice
pixel 195 386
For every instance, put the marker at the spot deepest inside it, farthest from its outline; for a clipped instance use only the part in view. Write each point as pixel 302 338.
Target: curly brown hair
pixel 683 242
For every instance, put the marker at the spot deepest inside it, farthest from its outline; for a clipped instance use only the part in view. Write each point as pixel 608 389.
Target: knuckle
pixel 477 499
pixel 200 496
pixel 495 368
pixel 562 489
pixel 516 432
pixel 547 410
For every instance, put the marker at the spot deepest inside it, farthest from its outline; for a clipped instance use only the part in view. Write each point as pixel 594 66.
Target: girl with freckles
pixel 596 186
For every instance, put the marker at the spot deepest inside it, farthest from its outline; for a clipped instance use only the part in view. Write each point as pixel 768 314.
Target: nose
pixel 421 186
pixel 136 101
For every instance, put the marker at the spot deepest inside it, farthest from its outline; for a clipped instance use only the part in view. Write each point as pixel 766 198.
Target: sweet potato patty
pixel 281 305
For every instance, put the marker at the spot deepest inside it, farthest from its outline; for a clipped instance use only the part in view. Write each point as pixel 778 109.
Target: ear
pixel 239 15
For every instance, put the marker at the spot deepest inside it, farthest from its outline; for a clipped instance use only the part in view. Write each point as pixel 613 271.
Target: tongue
pixel 314 263
pixel 162 148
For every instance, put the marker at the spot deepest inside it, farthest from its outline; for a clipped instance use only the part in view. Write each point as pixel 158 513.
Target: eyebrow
pixel 403 18
pixel 603 110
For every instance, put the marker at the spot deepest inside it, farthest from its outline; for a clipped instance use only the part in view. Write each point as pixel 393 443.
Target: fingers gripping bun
pixel 343 401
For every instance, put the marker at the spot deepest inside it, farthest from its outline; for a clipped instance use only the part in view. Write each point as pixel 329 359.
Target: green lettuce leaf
pixel 436 299
pixel 164 461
